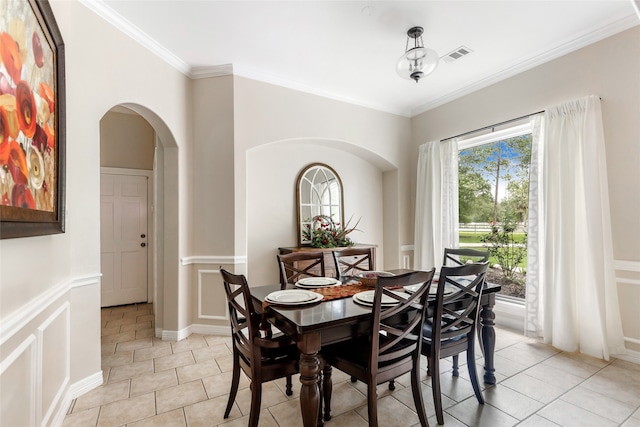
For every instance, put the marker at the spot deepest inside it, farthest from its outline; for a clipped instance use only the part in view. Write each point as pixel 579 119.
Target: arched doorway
pixel 127 157
pixel 157 161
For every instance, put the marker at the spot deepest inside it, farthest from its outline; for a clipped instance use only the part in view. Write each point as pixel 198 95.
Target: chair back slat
pixel 298 265
pixel 243 317
pixel 352 261
pixel 455 256
pixel 449 321
pixel 396 331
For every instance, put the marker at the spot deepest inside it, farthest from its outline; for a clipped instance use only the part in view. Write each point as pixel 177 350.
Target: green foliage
pixel 496 163
pixel 325 233
pixel 474 196
pixel 505 245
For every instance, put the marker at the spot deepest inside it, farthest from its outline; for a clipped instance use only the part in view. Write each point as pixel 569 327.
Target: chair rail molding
pixel 203 259
pixel 21 317
pixel 627 265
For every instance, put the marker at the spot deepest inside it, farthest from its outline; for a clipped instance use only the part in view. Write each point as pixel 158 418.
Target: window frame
pixel 510 310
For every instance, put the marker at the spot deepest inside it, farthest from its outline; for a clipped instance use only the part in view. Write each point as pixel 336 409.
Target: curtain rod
pixel 497 124
pixel 492 126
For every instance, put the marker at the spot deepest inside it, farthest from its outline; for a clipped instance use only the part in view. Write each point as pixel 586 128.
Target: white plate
pixel 366 297
pixel 317 282
pixel 374 274
pixel 293 297
pixel 448 289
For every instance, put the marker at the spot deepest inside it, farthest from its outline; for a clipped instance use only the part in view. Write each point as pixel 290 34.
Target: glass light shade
pixel 417 63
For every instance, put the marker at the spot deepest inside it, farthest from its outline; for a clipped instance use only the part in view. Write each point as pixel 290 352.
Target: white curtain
pixel 572 300
pixel 436 221
pixel 534 315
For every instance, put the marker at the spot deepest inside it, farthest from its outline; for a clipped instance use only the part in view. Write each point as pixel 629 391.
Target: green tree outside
pixel 484 174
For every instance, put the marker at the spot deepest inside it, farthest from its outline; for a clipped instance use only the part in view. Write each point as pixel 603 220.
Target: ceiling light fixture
pixel 418 61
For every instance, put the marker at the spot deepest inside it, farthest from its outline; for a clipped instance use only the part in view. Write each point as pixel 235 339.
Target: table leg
pixel 327 390
pixel 310 390
pixel 487 317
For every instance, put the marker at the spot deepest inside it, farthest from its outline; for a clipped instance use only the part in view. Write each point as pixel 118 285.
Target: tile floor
pixel 149 382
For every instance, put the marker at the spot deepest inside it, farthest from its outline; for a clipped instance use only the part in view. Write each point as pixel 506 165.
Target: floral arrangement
pixel 324 232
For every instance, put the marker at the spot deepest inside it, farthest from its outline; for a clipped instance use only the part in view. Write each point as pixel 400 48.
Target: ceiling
pixel 348 50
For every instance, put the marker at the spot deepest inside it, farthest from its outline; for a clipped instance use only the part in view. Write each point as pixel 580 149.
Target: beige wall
pixel 271 200
pixel 127 141
pixel 213 135
pixel 250 141
pixel 284 126
pixel 50 285
pixel 212 165
pixel 609 69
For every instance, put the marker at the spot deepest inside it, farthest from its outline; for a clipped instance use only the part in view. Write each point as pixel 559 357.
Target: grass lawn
pixel 473 237
pixel 467 237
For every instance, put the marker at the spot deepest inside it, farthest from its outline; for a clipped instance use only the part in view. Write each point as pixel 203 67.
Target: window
pixel 493 198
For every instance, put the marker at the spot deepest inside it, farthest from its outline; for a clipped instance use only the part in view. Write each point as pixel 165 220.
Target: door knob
pixel 143 235
pixel 143 244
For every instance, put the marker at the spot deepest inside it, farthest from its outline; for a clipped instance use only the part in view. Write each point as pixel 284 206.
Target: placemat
pixel 329 293
pixel 341 291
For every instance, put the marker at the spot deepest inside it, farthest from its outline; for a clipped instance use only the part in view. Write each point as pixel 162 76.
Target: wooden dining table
pixel 336 320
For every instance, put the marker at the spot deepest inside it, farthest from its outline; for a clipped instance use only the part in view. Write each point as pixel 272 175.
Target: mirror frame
pixel 301 176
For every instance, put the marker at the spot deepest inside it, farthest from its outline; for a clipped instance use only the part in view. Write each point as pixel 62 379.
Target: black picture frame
pixel 37 207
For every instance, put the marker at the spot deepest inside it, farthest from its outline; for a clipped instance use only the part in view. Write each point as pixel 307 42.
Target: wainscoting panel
pixel 212 304
pixel 36 354
pixel 628 283
pixel 18 385
pixel 628 279
pixel 53 343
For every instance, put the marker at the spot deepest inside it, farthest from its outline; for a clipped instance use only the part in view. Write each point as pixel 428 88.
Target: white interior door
pixel 123 237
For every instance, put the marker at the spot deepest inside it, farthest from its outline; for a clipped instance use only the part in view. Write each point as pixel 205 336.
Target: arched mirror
pixel 319 192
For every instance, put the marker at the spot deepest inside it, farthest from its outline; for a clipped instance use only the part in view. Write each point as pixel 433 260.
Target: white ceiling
pixel 347 50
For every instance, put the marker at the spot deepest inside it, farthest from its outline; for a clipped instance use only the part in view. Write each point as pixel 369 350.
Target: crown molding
pixel 278 81
pixel 211 71
pixel 533 61
pixel 118 21
pixel 230 69
pixel 102 10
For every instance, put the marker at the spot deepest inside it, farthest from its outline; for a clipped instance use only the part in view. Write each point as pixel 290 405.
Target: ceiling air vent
pixel 456 54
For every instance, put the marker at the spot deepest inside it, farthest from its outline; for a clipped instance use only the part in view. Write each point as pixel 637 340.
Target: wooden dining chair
pixel 452 329
pixel 262 359
pixel 298 265
pixel 392 347
pixel 456 256
pixel 351 261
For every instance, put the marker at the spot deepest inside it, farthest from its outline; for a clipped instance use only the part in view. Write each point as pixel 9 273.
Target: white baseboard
pixel 193 329
pixel 79 388
pixel 631 356
pixel 74 391
pixel 224 331
pixel 170 336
